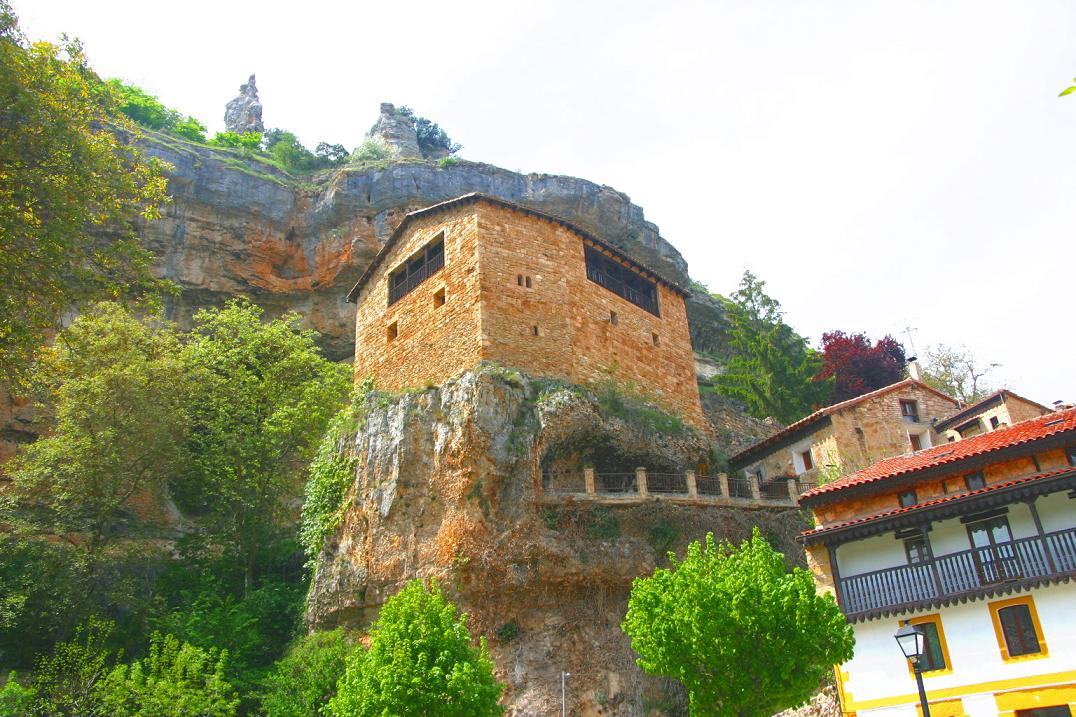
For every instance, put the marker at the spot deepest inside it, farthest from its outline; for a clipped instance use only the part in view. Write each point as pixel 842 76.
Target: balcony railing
pixel 402 287
pixel 618 287
pixel 958 574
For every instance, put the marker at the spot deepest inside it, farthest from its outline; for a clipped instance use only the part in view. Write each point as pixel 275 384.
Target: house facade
pixel 841 438
pixel 973 542
pixel 998 410
pixel 480 279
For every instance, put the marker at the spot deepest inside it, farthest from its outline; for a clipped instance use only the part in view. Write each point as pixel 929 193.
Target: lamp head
pixel 912 641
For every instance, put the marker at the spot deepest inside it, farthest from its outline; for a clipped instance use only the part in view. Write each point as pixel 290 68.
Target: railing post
pixel 756 489
pixel 692 487
pixel 793 490
pixel 723 480
pixel 933 563
pixel 588 481
pixel 1042 536
pixel 640 481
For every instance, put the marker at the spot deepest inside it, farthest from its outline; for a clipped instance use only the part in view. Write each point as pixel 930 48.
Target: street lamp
pixel 913 643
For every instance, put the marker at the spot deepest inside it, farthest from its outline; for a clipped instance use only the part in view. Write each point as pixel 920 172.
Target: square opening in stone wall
pixel 613 318
pixel 519 279
pixel 393 330
pixel 439 298
pixel 656 339
pixel 535 331
pixel 527 280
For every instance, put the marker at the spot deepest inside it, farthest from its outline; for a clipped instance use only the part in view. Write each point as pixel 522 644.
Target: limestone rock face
pixel 397 131
pixel 244 113
pixel 449 485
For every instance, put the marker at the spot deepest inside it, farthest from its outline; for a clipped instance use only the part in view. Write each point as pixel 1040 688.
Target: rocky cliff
pixel 449 484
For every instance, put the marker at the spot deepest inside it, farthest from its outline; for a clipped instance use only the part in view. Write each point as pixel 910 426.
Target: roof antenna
pixel 908 332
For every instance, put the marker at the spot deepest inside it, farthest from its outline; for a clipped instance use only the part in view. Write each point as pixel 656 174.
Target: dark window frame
pixel 909 408
pixel 419 267
pixel 623 281
pixel 902 498
pixel 1018 630
pixel 977 479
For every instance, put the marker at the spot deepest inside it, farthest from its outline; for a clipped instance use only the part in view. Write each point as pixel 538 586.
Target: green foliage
pixel 174 680
pixel 772 369
pixel 446 162
pixel 142 107
pixel 70 190
pixel 15 699
pixel 746 637
pixel 251 141
pixel 372 149
pixel 662 536
pixel 623 402
pixel 119 425
pixel 329 476
pixel 507 632
pixel 956 372
pixel 66 680
pixel 420 664
pixel 261 397
pixel 190 129
pixel 602 524
pixel 305 679
pixel 431 138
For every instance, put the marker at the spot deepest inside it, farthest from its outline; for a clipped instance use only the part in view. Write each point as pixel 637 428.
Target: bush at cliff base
pixel 746 637
pixel 421 663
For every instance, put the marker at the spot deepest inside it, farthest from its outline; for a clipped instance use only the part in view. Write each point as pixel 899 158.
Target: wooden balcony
pixel 980 571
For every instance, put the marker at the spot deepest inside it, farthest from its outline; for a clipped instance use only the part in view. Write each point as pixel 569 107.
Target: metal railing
pixel 962 573
pixel 399 290
pixel 666 482
pixel 708 486
pixel 562 482
pixel 741 488
pixel 616 483
pixel 618 287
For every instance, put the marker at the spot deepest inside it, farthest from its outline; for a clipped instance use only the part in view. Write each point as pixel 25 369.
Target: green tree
pixel 772 369
pixel 420 664
pixel 174 680
pixel 66 680
pixel 261 397
pixel 251 141
pixel 746 637
pixel 305 679
pixel 142 107
pixel 191 129
pixel 71 187
pixel 956 372
pixel 118 431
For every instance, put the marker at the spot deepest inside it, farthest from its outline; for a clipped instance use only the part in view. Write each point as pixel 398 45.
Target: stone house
pixel 846 436
pixel 972 543
pixel 479 279
pixel 998 410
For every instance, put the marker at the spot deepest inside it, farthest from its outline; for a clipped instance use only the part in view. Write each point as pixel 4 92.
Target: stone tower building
pixel 477 278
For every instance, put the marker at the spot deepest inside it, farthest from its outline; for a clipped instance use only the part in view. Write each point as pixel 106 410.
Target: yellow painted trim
pixel 1031 699
pixel 843 695
pixel 1014 683
pixel 1000 635
pixel 936 620
pixel 943 708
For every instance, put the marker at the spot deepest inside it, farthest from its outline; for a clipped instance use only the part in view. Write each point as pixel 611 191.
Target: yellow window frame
pixel 934 619
pixel 1003 646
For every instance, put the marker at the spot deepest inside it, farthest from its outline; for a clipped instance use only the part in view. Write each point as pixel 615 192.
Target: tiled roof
pixel 829 411
pixel 1024 432
pixel 807 534
pixel 975 408
pixel 478 196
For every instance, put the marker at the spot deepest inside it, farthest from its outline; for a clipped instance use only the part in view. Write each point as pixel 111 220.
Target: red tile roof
pixel 835 408
pixel 807 534
pixel 1024 432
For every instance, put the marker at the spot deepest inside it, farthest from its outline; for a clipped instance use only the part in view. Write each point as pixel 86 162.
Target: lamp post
pixel 564 693
pixel 913 644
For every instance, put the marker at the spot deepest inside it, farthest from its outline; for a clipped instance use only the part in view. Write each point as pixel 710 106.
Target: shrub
pixel 420 664
pixel 372 149
pixel 174 680
pixel 602 524
pixel 191 129
pixel 142 107
pixel 305 679
pixel 247 140
pixel 15 700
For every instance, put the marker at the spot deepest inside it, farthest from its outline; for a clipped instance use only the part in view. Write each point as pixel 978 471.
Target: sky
pixel 881 165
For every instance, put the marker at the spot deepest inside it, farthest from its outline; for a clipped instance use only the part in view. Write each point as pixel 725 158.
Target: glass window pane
pixel 1018 630
pixel 934 658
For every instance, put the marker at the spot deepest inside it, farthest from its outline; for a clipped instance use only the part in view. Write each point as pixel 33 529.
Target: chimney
pixel 913 369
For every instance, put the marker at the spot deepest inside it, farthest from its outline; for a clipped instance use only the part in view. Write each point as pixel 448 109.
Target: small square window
pixel 656 339
pixel 916 550
pixel 527 281
pixel 393 330
pixel 909 409
pixel 1071 453
pixel 808 464
pixel 994 423
pixel 907 499
pixel 519 279
pixel 613 318
pixel 917 442
pixel 535 330
pixel 974 481
pixel 1017 628
pixel 439 298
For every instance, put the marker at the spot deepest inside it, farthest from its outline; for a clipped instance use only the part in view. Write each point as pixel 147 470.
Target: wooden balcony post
pixel 692 486
pixel 756 489
pixel 1042 535
pixel 588 481
pixel 933 563
pixel 640 481
pixel 723 480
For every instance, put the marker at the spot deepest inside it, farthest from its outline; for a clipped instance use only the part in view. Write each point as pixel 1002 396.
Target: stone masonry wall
pixel 563 325
pixel 433 343
pixel 1009 411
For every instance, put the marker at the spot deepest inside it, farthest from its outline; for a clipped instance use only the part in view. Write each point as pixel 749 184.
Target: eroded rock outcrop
pixel 449 485
pixel 244 113
pixel 397 131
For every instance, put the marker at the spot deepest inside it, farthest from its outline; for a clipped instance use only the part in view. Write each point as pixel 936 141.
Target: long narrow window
pixel 621 280
pixel 1017 628
pixel 424 264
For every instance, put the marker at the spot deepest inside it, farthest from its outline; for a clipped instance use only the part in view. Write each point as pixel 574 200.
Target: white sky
pixel 879 164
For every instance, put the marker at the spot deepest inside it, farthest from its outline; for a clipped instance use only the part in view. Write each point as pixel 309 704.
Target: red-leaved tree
pixel 858 366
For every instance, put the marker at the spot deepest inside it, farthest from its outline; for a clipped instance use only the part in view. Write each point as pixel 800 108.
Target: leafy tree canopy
pixel 955 371
pixel 772 368
pixel 857 366
pixel 71 189
pixel 305 679
pixel 745 637
pixel 420 664
pixel 432 140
